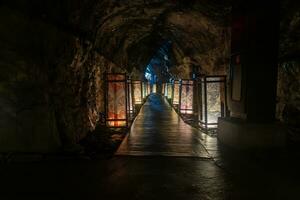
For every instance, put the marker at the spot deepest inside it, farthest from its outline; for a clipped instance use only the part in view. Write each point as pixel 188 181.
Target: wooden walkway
pixel 159 131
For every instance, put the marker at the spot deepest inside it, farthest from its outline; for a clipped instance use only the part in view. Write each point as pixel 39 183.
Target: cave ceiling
pixel 129 32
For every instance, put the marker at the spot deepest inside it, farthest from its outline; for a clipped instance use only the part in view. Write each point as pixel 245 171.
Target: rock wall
pixel 51 85
pixel 79 91
pixel 27 121
pixel 288 92
pixel 203 46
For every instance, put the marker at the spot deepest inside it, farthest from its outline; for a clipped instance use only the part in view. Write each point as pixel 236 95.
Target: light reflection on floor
pixel 158 130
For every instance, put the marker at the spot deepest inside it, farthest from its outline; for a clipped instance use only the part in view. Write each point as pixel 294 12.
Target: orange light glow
pixel 116 100
pixel 148 88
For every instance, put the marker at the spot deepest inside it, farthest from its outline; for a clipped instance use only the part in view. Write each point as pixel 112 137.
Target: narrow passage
pixel 158 130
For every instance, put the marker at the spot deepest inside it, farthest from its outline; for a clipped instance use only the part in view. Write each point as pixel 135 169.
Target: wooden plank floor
pixel 159 131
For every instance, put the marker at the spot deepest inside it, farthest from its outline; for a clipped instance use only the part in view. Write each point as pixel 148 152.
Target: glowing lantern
pixel 186 97
pixel 154 88
pixel 116 100
pixel 170 91
pixel 129 97
pixel 144 85
pixel 148 88
pixel 211 100
pixel 137 92
pixel 176 93
pixel 166 89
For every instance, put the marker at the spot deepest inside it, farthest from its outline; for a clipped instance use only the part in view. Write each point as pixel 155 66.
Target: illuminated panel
pixel 129 96
pixel 186 100
pixel 166 90
pixel 148 88
pixel 213 106
pixel 170 91
pixel 154 88
pixel 163 89
pixel 137 92
pixel 176 93
pixel 116 115
pixel 203 98
pixel 144 84
pixel 214 101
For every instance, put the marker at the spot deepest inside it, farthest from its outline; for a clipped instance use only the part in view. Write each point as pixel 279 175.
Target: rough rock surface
pixel 288 90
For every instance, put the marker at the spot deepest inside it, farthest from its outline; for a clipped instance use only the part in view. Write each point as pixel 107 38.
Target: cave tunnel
pixel 144 99
pixel 157 70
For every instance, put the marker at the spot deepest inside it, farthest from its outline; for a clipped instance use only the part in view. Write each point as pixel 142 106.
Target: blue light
pixel 157 70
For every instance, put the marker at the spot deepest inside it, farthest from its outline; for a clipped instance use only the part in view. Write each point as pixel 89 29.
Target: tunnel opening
pixel 157 70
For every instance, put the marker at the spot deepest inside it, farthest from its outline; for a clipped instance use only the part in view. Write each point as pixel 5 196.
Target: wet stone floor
pixel 158 130
pixel 176 165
